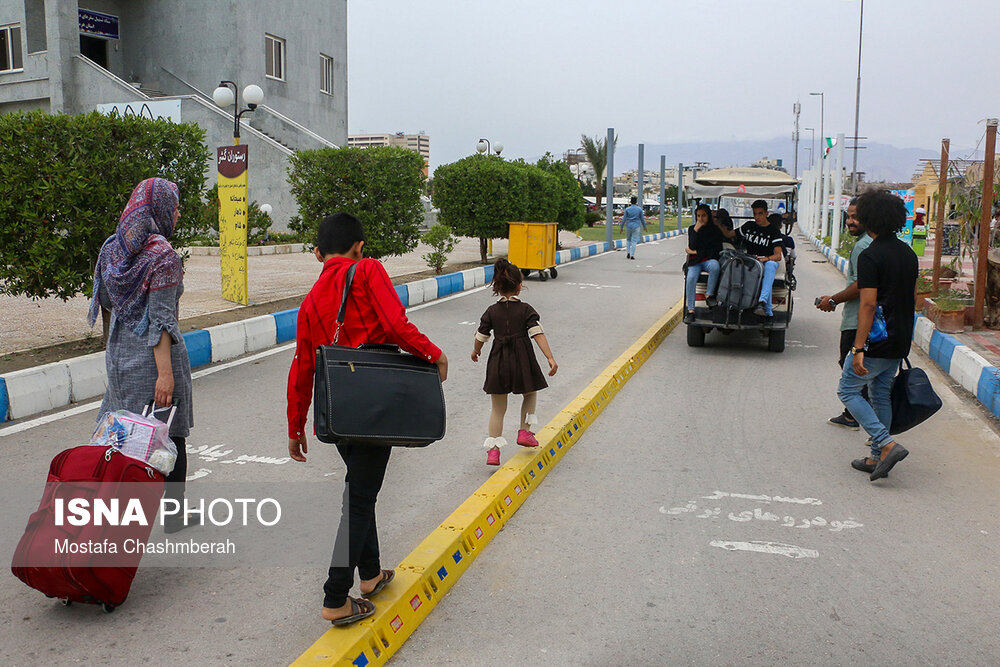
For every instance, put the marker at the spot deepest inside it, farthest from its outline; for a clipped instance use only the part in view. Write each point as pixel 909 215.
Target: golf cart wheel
pixel 776 340
pixel 696 336
pixel 553 273
pixel 525 272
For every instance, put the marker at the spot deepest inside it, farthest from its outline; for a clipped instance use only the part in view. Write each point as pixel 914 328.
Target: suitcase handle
pixel 150 410
pixel 383 347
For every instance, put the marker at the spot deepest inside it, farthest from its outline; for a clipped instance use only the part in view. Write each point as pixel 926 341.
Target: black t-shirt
pixel 706 243
pixel 759 241
pixel 890 266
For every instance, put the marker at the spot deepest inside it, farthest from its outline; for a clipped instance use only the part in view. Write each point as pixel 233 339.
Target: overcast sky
pixel 535 74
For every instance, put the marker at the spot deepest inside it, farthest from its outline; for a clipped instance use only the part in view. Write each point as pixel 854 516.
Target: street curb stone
pixel 34 390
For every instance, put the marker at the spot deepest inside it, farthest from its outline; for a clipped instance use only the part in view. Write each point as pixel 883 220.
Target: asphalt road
pixel 709 516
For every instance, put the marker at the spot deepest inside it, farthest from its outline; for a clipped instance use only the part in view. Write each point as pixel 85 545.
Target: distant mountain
pixel 879 162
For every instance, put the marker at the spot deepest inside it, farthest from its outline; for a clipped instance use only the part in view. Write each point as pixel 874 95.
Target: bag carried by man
pixel 375 394
pixel 740 281
pixel 912 397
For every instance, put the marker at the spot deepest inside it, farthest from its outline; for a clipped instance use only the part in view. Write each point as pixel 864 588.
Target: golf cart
pixel 734 189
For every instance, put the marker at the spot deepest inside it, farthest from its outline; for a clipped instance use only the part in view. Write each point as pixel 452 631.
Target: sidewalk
pixel 29 324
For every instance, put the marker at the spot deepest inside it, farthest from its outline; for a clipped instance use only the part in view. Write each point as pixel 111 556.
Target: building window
pixel 10 49
pixel 274 57
pixel 325 74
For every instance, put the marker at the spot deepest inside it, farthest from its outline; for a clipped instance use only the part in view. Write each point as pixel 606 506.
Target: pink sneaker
pixel 526 438
pixel 493 456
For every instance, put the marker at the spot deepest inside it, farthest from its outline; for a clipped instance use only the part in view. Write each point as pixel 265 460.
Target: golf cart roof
pixel 741 182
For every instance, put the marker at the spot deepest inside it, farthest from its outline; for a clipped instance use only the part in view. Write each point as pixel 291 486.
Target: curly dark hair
pixel 724 218
pixel 506 278
pixel 881 213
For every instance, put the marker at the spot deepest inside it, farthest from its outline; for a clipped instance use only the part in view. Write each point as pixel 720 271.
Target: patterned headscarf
pixel 138 258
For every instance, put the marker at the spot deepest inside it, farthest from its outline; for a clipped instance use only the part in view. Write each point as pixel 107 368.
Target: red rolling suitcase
pixel 94 576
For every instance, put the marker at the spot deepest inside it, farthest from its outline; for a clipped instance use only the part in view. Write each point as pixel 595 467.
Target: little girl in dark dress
pixel 511 367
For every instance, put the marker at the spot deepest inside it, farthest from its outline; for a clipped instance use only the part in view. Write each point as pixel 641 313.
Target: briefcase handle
pixel 343 301
pixel 381 347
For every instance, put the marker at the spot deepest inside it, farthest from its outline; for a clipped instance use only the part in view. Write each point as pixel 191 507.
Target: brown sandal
pixel 387 576
pixel 362 609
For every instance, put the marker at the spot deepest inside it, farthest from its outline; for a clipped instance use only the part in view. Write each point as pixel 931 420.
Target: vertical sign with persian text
pixel 232 167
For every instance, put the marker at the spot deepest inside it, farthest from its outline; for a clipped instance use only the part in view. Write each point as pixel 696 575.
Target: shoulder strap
pixel 343 301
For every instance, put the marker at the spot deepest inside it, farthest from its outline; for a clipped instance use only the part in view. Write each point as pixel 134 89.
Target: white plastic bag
pixel 143 438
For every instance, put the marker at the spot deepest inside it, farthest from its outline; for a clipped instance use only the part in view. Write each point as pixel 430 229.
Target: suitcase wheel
pixel 65 602
pixel 107 608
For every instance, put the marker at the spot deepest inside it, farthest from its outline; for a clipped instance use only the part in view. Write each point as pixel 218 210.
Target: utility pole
pixel 939 226
pixel 641 174
pixel 857 104
pixel 680 196
pixel 838 190
pixel 609 221
pixel 985 222
pixel 663 189
pixel 796 108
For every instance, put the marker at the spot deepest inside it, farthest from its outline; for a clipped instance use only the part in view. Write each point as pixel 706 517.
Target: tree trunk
pixel 992 310
pixel 482 249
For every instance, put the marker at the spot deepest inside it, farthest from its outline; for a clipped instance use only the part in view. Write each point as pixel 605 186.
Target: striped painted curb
pixel 964 365
pixel 33 390
pixel 432 568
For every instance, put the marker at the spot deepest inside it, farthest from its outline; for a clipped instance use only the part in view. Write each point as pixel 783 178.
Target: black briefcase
pixel 912 397
pixel 375 394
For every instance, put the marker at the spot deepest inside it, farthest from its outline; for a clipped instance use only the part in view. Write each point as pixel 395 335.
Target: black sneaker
pixel 760 310
pixel 711 302
pixel 842 420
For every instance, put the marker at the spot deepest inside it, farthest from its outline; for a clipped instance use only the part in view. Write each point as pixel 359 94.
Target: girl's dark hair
pixel 724 218
pixel 703 207
pixel 506 277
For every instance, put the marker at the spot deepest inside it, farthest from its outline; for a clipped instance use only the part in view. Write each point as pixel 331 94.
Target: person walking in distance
pixel 374 314
pixel 632 222
pixel 849 297
pixel 511 367
pixel 887 276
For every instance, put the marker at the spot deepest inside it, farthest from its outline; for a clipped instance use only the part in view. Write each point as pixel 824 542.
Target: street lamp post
pixel 812 151
pixel 857 104
pixel 484 146
pixel 228 93
pixel 822 110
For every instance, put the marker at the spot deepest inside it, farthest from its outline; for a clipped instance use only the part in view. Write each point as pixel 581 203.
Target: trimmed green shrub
pixel 64 182
pixel 381 186
pixel 440 239
pixel 568 197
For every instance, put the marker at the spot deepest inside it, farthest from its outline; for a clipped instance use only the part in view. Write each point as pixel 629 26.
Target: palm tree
pixel 597 156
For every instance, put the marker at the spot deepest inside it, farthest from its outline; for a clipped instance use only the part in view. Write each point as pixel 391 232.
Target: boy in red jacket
pixel 374 314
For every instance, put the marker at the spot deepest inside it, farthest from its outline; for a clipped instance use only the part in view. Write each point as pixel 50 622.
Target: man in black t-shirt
pixel 763 241
pixel 887 276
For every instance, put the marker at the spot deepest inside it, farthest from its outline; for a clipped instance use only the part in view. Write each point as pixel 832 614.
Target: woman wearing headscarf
pixel 139 279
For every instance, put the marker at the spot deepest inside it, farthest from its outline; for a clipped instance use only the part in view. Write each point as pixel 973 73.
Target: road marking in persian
pixel 594 285
pixel 718 495
pixel 777 548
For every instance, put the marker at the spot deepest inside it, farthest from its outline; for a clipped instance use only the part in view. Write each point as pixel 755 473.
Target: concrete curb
pixel 960 362
pixel 33 390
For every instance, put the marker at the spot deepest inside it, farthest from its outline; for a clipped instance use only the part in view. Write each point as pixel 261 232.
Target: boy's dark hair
pixel 724 218
pixel 633 199
pixel 774 219
pixel 506 277
pixel 881 213
pixel 337 233
pixel 758 204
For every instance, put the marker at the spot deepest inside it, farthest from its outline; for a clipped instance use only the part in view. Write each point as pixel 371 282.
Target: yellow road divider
pixel 430 570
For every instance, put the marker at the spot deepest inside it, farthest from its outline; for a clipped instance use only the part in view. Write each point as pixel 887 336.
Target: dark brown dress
pixel 511 367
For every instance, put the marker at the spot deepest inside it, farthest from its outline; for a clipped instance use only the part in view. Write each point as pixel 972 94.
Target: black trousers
pixel 175 481
pixel 846 343
pixel 357 536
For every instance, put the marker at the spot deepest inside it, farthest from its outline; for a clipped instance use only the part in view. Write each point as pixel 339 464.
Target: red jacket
pixel 374 315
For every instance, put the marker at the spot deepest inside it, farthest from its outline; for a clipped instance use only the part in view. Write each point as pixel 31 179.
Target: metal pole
pixel 796 109
pixel 663 189
pixel 985 220
pixel 824 201
pixel 939 226
pixel 680 196
pixel 694 204
pixel 857 104
pixel 838 191
pixel 609 220
pixel 642 148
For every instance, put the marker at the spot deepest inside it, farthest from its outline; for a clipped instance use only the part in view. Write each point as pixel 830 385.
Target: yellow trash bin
pixel 532 247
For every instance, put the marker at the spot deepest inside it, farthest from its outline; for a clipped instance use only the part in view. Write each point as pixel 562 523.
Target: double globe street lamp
pixel 224 96
pixel 484 147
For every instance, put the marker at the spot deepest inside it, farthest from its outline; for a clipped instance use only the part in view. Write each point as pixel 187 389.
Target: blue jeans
pixel 770 268
pixel 875 417
pixel 632 237
pixel 693 271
